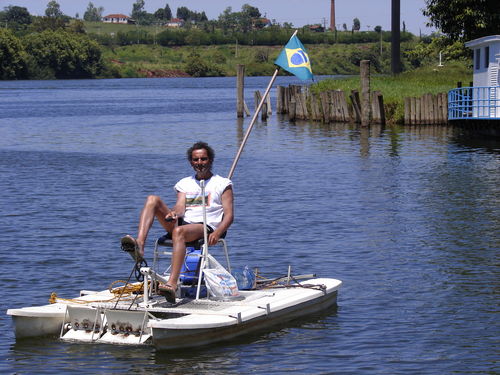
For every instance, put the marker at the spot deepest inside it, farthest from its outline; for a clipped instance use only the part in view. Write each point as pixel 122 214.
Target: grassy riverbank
pixel 415 83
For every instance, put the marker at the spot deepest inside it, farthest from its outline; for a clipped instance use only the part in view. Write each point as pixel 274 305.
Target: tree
pixel 167 13
pixel 250 11
pixel 12 56
pixel 464 19
pixel 163 14
pixel 16 17
pixel 184 13
pixel 378 29
pixel 92 13
pixel 53 10
pixel 159 14
pixel 140 15
pixel 66 55
pixel 356 25
pixel 227 20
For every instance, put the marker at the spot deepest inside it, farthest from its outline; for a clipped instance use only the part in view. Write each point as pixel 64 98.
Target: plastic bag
pixel 220 283
pixel 245 278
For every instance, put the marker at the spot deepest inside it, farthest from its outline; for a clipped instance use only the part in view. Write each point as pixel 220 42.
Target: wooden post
pixel 247 111
pixel 345 115
pixel 286 100
pixel 413 111
pixel 431 109
pixel 298 105
pixel 374 103
pixel 257 97
pixel 263 110
pixel 407 120
pixel 292 105
pixel 381 108
pixel 304 106
pixel 240 90
pixel 439 108
pixel 445 107
pixel 365 92
pixel 325 106
pixel 314 114
pixel 268 103
pixel 418 111
pixel 355 105
pixel 334 106
pixel 279 99
pixel 424 120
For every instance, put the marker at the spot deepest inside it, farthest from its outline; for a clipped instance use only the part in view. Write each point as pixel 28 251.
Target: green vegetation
pixel 413 83
pixel 464 19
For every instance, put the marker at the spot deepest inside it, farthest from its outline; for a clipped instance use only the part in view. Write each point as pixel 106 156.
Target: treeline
pixel 50 55
pixel 273 36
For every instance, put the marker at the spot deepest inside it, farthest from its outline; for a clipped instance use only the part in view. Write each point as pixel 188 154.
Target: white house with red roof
pixel 117 18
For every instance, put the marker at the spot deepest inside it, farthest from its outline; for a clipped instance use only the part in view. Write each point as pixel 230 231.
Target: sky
pixel 298 12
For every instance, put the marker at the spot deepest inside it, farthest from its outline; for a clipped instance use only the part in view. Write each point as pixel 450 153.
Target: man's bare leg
pixel 153 207
pixel 181 235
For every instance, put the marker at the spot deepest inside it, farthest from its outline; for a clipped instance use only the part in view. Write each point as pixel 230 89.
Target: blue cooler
pixel 191 266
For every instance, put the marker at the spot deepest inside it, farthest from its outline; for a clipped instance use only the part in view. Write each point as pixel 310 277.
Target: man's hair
pixel 200 146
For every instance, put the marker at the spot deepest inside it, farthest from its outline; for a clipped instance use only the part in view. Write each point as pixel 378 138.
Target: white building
pixel 116 18
pixel 486 60
pixel 486 90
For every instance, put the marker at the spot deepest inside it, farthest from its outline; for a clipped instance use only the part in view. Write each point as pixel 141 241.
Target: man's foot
pixel 129 244
pixel 168 291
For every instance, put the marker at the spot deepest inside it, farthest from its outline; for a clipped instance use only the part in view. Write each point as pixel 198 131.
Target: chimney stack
pixel 332 15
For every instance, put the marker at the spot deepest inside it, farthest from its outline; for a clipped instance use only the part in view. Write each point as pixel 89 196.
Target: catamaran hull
pixel 164 339
pixel 38 321
pixel 190 323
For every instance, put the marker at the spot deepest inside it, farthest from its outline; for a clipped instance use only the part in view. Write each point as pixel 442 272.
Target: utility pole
pixel 395 36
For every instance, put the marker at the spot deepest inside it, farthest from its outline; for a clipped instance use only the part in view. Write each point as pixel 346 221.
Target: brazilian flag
pixel 294 59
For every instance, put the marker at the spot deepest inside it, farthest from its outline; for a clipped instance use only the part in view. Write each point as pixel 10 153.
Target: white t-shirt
pixel 214 187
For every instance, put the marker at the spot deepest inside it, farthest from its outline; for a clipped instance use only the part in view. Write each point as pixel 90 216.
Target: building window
pixel 486 57
pixel 478 58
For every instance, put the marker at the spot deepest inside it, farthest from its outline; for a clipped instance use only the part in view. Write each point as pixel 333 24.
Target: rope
pixel 126 291
pixel 279 283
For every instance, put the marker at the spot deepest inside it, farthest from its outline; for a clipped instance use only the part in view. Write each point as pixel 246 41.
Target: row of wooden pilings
pixel 365 108
pixel 427 110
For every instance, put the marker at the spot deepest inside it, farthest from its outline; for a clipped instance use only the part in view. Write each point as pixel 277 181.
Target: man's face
pixel 200 161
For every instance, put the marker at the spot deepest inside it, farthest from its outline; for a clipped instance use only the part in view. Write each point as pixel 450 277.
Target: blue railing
pixel 474 103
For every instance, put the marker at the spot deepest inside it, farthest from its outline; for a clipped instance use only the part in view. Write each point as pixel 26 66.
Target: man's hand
pixel 171 216
pixel 213 238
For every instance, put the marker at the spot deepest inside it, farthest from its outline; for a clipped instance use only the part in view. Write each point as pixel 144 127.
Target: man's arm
pixel 227 220
pixel 179 208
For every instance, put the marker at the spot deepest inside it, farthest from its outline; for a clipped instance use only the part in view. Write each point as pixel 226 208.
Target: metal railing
pixel 474 103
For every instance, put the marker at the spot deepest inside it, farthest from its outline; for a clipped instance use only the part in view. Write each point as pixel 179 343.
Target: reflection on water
pixel 407 217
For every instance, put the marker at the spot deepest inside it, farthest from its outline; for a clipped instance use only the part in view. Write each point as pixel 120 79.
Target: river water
pixel 408 219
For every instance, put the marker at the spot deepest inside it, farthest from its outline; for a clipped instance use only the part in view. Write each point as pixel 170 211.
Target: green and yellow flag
pixel 294 59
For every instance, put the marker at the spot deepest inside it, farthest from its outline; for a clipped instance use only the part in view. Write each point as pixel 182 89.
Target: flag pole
pixel 244 141
pixel 254 118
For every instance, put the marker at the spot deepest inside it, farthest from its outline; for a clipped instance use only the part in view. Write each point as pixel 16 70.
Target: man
pixel 185 220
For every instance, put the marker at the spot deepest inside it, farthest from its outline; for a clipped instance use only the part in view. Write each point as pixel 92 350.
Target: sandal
pixel 168 292
pixel 129 245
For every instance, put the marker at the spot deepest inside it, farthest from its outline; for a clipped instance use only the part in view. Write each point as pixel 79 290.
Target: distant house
pixel 117 18
pixel 317 28
pixel 175 22
pixel 261 23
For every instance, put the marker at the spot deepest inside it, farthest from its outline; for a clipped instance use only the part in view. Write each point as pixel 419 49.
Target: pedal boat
pixel 137 315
